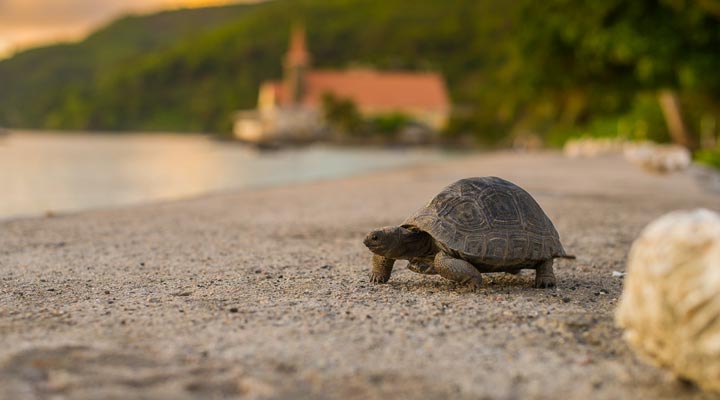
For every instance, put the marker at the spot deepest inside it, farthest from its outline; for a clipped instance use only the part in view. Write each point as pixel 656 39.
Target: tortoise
pixel 473 226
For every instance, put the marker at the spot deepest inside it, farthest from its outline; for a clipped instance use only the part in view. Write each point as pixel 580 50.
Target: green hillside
pixel 118 79
pixel 556 68
pixel 36 84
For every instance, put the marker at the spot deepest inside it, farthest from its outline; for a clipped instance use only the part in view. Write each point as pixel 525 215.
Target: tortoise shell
pixel 488 220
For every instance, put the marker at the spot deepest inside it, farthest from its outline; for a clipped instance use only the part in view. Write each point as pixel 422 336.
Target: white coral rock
pixel 670 306
pixel 658 158
pixel 592 147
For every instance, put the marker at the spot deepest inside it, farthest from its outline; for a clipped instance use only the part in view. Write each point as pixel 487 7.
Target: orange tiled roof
pixel 373 90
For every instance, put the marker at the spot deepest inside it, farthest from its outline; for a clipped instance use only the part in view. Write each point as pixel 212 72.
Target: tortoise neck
pixel 419 245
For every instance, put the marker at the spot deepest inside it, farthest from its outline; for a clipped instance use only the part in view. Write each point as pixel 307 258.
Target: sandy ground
pixel 265 293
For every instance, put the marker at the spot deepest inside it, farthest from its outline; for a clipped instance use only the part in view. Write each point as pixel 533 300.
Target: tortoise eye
pixel 373 237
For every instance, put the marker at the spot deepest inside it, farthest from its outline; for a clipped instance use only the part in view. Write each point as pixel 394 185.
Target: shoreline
pixel 110 171
pixel 264 293
pixel 218 192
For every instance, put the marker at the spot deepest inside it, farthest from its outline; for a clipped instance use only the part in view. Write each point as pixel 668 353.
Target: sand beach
pixel 264 293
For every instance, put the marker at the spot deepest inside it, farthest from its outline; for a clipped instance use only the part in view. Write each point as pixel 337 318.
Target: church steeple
pixel 297 61
pixel 297 54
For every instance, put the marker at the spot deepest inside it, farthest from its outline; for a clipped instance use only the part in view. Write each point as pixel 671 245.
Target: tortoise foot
pixel 378 278
pixel 545 282
pixel 544 275
pixel 475 283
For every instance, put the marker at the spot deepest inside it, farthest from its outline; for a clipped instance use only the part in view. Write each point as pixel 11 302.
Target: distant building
pixel 291 109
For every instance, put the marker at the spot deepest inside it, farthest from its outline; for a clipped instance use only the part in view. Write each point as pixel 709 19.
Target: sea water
pixel 50 172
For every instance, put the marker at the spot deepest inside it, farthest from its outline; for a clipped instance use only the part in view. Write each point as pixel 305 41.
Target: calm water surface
pixel 41 172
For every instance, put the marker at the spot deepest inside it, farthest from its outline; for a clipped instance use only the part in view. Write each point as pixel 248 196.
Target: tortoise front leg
pixel 381 269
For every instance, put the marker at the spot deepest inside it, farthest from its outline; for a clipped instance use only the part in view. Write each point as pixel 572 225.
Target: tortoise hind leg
pixel 457 270
pixel 544 275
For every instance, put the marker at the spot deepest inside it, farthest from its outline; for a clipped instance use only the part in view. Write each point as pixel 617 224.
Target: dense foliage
pixel 344 119
pixel 57 86
pixel 555 68
pixel 599 64
pixel 709 157
pixel 195 82
pixel 341 114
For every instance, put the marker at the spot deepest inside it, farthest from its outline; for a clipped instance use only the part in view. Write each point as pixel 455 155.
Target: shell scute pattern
pixel 491 220
pixel 535 218
pixel 518 245
pixel 502 209
pixel 535 248
pixel 462 212
pixel 497 247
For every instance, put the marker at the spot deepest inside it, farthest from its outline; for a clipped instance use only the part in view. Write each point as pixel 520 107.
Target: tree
pixel 342 114
pixel 606 51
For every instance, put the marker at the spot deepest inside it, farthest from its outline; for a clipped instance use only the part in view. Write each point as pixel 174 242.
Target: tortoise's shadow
pixel 491 282
pixel 434 283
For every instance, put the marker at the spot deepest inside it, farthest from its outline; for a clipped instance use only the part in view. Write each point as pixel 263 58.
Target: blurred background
pixel 389 73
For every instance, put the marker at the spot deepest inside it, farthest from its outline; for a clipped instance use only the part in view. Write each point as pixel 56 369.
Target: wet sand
pixel 264 294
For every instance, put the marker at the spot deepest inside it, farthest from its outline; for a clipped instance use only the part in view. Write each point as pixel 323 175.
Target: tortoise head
pixel 395 242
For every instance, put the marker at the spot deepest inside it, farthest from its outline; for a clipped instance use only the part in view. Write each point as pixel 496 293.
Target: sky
pixel 27 23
